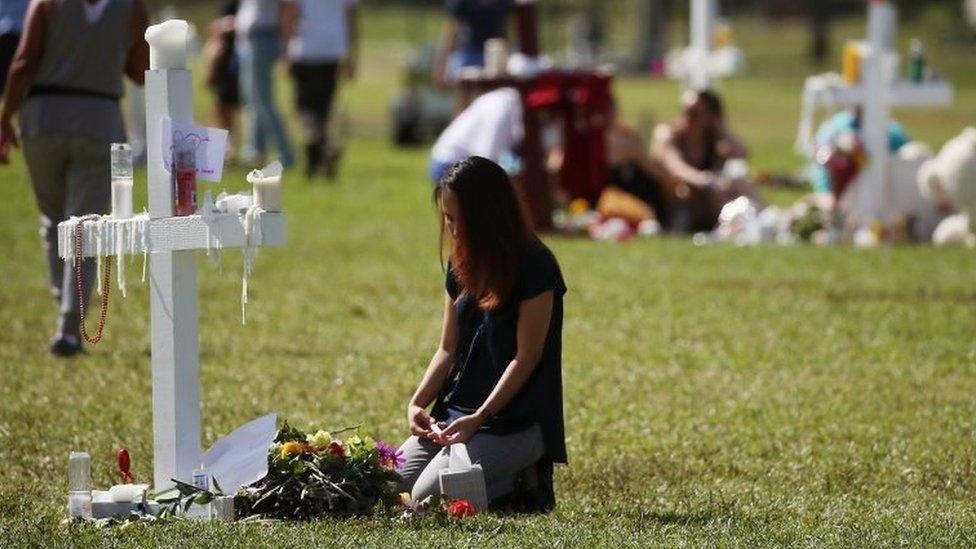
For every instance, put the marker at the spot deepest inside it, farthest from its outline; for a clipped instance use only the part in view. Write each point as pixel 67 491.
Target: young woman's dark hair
pixel 491 229
pixel 712 102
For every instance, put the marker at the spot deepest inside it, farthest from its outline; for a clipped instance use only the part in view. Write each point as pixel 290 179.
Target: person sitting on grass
pixel 632 169
pixel 495 381
pixel 694 150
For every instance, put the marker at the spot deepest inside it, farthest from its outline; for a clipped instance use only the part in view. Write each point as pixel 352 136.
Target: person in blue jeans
pixel 259 46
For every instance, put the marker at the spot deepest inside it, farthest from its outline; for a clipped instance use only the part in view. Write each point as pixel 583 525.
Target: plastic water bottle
pixel 201 479
pixel 121 180
pixel 916 63
pixel 79 485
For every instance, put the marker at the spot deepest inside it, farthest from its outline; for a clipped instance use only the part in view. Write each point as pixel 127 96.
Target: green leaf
pixel 203 498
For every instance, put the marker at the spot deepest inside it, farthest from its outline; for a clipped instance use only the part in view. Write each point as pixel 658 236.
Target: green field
pixel 714 396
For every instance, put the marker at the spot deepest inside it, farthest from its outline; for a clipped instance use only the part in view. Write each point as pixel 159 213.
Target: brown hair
pixel 492 230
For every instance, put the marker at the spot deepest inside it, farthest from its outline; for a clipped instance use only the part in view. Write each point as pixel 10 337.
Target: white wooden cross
pixel 879 89
pixel 172 244
pixel 700 62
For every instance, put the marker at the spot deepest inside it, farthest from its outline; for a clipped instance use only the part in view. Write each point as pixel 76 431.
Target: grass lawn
pixel 714 396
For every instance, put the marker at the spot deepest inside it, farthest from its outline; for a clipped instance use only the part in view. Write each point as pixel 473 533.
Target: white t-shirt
pixel 257 15
pixel 490 127
pixel 322 33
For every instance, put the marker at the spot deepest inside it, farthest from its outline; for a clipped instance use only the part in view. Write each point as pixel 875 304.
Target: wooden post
pixel 527 26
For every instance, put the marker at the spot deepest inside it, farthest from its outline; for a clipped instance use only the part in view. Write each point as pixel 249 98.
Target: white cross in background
pixel 701 61
pixel 878 90
pixel 172 244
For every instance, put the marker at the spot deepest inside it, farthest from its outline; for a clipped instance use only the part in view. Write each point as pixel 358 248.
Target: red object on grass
pixel 124 466
pixel 461 508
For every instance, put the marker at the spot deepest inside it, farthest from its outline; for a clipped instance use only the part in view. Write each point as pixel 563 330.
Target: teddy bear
pixel 950 178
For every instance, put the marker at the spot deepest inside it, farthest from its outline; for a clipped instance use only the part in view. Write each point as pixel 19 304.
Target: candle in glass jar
pixel 167 44
pixel 121 155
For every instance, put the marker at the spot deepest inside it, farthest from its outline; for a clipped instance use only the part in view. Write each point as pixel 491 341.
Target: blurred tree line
pixel 650 19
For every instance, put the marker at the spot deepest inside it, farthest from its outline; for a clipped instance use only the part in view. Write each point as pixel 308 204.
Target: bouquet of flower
pixel 315 475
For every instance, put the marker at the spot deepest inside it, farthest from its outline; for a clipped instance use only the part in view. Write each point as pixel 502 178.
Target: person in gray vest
pixel 66 82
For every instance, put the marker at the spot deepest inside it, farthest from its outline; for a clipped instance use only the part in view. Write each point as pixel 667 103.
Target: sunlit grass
pixel 714 395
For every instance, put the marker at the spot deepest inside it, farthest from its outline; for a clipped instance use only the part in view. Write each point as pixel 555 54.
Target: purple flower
pixel 390 456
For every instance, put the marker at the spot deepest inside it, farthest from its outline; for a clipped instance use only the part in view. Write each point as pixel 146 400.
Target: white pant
pixel 501 457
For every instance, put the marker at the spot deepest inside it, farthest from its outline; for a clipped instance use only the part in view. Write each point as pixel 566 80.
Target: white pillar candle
pixel 267 187
pixel 167 44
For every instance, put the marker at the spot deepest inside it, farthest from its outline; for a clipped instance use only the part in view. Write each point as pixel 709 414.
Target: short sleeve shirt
pixel 323 34
pixel 254 16
pixel 480 20
pixel 487 344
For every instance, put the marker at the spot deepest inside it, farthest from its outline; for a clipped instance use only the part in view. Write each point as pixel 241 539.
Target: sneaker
pixel 66 346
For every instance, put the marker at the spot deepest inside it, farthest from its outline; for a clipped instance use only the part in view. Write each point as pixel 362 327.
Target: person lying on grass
pixel 495 380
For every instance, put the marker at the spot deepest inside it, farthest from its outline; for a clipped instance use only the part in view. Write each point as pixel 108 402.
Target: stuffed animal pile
pixel 950 178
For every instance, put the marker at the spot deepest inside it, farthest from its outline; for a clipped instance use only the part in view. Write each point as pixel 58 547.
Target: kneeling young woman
pixel 495 381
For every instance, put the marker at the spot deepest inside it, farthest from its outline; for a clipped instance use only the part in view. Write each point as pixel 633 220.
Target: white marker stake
pixel 173 280
pixel 876 112
pixel 703 14
pixel 172 244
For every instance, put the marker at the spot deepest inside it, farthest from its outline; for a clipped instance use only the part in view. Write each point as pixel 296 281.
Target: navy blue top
pixel 480 20
pixel 487 344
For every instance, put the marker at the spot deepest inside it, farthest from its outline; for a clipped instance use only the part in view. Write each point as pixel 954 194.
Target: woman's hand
pixel 420 421
pixel 8 139
pixel 462 429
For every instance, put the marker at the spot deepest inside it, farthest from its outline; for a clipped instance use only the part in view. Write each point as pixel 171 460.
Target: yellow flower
pixel 289 449
pixel 320 440
pixel 405 498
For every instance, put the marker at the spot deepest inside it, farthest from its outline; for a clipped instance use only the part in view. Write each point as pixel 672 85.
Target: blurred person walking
pixel 12 14
pixel 222 68
pixel 66 82
pixel 470 25
pixel 258 38
pixel 320 36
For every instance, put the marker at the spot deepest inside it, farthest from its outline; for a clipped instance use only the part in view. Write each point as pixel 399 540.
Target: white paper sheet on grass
pixel 210 144
pixel 241 457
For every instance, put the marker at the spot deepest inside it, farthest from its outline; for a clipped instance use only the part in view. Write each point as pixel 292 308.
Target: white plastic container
pixel 79 485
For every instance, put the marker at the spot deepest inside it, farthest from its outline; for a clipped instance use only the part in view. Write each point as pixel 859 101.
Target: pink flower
pixel 390 456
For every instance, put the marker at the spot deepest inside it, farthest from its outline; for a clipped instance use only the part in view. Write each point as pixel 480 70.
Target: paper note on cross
pixel 210 145
pixel 172 244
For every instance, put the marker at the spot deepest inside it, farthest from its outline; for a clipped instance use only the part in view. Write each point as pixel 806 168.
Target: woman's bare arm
pixel 448 42
pixel 732 145
pixel 24 66
pixel 351 64
pixel 437 372
pixel 667 153
pixel 533 327
pixel 137 60
pixel 290 12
